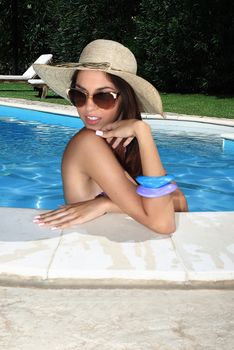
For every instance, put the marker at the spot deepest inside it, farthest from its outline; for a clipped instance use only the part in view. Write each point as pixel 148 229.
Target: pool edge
pixel 33 256
pixel 70 110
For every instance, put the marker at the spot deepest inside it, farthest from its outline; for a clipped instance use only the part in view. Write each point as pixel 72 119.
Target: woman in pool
pixel 101 162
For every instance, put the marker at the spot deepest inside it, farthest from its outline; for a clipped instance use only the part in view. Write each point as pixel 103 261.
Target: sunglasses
pixel 103 100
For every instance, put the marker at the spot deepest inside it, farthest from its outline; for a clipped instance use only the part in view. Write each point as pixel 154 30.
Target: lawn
pixel 198 104
pixel 191 104
pixel 23 90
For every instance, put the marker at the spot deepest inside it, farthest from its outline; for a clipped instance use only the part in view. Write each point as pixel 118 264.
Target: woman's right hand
pixel 121 129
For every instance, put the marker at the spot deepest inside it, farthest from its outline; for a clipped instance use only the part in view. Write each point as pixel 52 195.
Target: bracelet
pixel 156 192
pixel 154 181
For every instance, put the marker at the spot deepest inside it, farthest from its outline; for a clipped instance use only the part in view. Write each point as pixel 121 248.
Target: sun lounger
pixel 29 74
pixel 39 85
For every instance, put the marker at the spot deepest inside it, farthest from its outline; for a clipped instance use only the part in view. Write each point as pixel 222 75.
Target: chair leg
pixel 44 91
pixel 39 89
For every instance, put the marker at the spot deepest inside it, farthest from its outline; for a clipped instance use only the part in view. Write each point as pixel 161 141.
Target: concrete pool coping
pixel 70 110
pixel 200 254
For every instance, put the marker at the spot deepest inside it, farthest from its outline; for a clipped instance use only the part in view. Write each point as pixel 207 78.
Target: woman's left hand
pixel 72 214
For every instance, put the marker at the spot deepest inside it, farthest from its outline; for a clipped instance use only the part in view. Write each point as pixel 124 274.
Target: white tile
pixel 115 246
pixel 205 243
pixel 26 249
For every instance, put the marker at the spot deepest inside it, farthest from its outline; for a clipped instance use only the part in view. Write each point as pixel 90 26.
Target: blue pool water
pixel 31 154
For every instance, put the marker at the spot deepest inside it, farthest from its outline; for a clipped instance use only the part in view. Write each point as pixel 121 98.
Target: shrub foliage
pixel 187 45
pixel 81 21
pixel 181 45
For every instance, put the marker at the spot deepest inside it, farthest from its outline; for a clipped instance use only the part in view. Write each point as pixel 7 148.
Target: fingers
pixel 71 214
pixel 121 128
pixel 105 131
pixel 117 142
pixel 49 214
pixel 109 139
pixel 50 218
pixel 105 134
pixel 111 126
pixel 110 130
pixel 57 218
pixel 128 141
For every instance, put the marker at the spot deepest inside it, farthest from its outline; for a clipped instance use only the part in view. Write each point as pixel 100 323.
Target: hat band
pixel 91 65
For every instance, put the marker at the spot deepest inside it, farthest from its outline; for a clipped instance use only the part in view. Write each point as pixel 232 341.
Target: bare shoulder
pixel 84 142
pixel 84 136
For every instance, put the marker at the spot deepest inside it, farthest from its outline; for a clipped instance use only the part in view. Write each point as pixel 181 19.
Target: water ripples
pixel 31 152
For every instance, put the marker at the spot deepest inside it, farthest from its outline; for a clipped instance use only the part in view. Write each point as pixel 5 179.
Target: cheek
pixel 80 111
pixel 113 115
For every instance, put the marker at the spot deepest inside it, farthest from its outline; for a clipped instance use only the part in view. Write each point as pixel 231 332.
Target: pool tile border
pixel 71 110
pixel 93 255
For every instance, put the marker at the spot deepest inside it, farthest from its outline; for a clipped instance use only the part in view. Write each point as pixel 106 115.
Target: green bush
pixel 187 45
pixel 33 30
pixel 6 47
pixel 24 34
pixel 78 22
pixel 181 45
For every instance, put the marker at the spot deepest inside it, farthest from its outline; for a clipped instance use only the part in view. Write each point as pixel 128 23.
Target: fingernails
pixel 99 133
pixel 41 224
pixel 54 228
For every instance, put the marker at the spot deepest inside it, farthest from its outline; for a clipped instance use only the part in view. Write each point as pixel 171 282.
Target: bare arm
pixel 96 161
pixel 155 213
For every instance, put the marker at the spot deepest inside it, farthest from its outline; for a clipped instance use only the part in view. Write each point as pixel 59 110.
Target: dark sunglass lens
pixel 80 99
pixel 104 100
pixel 77 97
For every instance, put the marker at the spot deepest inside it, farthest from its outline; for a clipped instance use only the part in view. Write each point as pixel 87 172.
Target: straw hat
pixel 110 57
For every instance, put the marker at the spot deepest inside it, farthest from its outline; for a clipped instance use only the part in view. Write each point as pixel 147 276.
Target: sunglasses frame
pixel 115 96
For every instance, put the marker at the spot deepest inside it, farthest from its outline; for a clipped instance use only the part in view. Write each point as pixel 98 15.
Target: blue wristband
pixel 154 181
pixel 156 192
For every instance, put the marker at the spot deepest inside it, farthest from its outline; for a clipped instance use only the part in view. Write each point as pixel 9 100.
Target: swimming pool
pixel 31 152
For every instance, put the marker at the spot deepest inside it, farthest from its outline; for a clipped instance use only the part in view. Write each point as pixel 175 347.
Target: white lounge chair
pixel 30 72
pixel 40 85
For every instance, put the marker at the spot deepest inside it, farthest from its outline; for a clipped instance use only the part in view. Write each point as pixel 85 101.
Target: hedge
pixel 181 45
pixel 187 45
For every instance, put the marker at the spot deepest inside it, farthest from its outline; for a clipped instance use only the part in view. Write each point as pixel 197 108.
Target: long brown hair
pixel 128 157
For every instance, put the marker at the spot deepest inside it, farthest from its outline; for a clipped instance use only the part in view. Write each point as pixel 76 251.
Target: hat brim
pixel 58 78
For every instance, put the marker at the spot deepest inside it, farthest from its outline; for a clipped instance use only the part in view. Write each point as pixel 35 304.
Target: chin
pixel 92 127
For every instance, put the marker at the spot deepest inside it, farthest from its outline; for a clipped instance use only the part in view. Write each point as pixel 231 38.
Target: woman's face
pixel 93 116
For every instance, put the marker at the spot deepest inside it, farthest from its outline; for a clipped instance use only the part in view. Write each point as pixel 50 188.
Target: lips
pixel 92 119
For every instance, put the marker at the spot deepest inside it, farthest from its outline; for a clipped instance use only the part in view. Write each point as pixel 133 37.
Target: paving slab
pixel 205 242
pixel 25 249
pixel 106 319
pixel 114 250
pixel 115 246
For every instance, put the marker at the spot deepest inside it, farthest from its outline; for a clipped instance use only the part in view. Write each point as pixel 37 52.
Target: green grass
pixel 191 104
pixel 25 91
pixel 198 104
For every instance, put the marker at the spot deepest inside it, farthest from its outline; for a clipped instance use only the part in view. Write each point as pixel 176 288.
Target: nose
pixel 90 105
